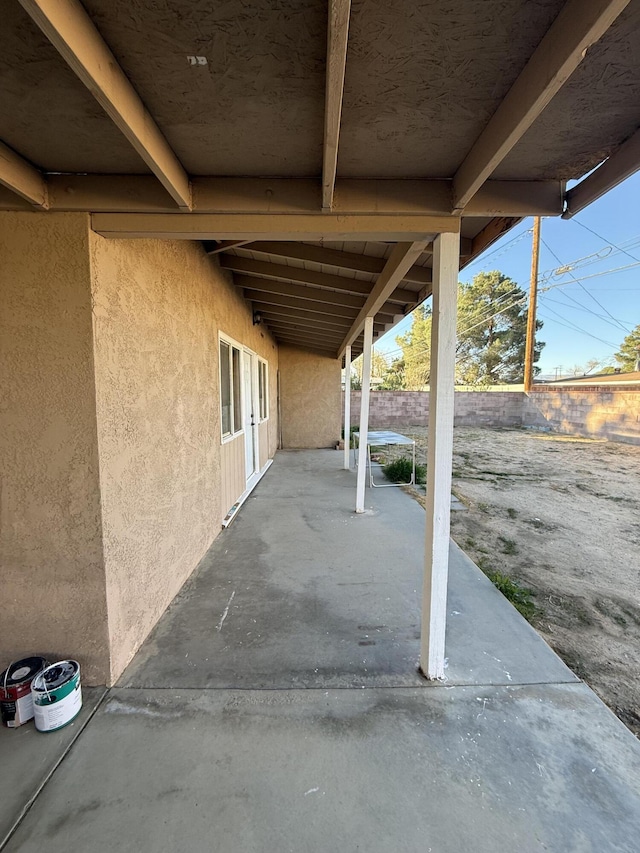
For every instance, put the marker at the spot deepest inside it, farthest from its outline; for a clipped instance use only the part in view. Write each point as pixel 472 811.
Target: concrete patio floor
pixel 277 706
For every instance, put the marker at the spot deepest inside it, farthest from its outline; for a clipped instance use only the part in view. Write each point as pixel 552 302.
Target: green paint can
pixel 57 695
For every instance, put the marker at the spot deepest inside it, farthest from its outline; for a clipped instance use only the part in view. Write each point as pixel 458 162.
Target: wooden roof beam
pixel 580 24
pixel 261 300
pixel 306 327
pixel 301 291
pixel 308 334
pixel 300 316
pixel 402 257
pixel 259 226
pixel 22 178
pixel 334 258
pixel 239 196
pixel 337 38
pixel 212 247
pixel 70 29
pixel 621 165
pixel 279 272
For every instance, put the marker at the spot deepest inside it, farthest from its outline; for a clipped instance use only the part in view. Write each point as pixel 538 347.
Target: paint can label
pixel 57 696
pixel 16 702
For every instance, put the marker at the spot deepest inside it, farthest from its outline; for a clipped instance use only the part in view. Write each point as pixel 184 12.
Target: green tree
pixel 492 331
pixel 393 379
pixel 629 352
pixel 492 328
pixel 379 367
pixel 416 350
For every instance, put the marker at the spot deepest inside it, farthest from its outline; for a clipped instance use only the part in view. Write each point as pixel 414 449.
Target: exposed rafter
pixel 261 300
pixel 387 312
pixel 401 259
pixel 21 177
pixel 307 327
pixel 339 260
pixel 621 165
pixel 579 24
pixel 213 248
pixel 313 294
pixel 70 29
pixel 337 38
pixel 490 233
pixel 300 315
pixel 278 272
pixel 318 336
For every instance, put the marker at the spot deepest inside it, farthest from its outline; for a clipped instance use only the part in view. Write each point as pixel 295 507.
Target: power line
pixel 569 324
pixel 579 307
pixel 600 237
pixel 566 270
pixel 590 295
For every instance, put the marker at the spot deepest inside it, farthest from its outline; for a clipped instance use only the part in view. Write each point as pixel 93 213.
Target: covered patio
pixel 242 723
pixel 319 169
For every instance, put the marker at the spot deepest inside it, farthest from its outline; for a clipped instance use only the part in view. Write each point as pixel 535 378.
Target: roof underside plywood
pixel 422 80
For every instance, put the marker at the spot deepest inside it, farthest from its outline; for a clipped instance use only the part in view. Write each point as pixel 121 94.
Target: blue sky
pixel 585 319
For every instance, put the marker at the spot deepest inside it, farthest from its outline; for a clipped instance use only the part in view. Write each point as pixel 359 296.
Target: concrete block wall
pixel 597 412
pixel 411 408
pixel 488 408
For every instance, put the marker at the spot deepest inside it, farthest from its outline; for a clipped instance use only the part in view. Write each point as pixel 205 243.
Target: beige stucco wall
pixel 310 399
pixel 52 585
pixel 158 308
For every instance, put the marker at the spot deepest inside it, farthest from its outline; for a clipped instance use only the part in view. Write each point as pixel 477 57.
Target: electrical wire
pixel 574 327
pixel 600 237
pixel 578 307
pixel 566 271
pixel 590 295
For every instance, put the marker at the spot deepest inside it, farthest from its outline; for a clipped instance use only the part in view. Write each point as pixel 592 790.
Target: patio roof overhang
pixel 317 151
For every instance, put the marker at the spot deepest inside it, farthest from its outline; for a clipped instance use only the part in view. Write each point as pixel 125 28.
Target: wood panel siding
pixel 232 473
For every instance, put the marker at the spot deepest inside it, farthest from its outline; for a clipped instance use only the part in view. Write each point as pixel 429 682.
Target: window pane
pixel 261 388
pixel 225 388
pixel 237 410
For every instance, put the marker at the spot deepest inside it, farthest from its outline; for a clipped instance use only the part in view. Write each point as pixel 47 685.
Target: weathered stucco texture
pixel 53 594
pixel 158 308
pixel 310 399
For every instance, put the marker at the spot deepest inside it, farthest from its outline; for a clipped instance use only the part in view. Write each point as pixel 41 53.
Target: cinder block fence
pixel 593 411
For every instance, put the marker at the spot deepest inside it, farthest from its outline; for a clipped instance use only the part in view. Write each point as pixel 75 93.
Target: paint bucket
pixel 57 695
pixel 16 704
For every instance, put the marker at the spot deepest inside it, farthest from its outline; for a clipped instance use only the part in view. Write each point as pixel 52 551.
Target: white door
pixel 250 414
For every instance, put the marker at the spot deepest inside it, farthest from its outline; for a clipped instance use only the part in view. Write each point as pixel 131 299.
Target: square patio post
pixel 446 256
pixel 364 413
pixel 347 407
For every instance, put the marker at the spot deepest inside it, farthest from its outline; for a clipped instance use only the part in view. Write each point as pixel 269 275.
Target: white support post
pixel 446 256
pixel 364 413
pixel 347 408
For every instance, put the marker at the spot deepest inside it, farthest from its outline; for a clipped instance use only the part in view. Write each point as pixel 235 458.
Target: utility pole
pixel 531 315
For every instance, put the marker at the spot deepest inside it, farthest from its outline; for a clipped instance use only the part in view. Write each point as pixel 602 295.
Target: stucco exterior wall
pixel 158 308
pixel 310 399
pixel 53 594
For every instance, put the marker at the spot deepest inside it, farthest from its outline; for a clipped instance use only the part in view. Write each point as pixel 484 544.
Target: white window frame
pixel 236 428
pixel 263 377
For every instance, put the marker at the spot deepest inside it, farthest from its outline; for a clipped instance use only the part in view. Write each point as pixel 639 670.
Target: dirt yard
pixel 561 515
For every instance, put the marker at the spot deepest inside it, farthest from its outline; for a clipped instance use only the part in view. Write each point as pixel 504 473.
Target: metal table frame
pixel 381 438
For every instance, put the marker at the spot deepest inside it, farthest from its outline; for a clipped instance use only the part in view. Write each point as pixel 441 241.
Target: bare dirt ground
pixel 561 515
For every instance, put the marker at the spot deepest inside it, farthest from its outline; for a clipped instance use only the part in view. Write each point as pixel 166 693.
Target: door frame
pixel 250 413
